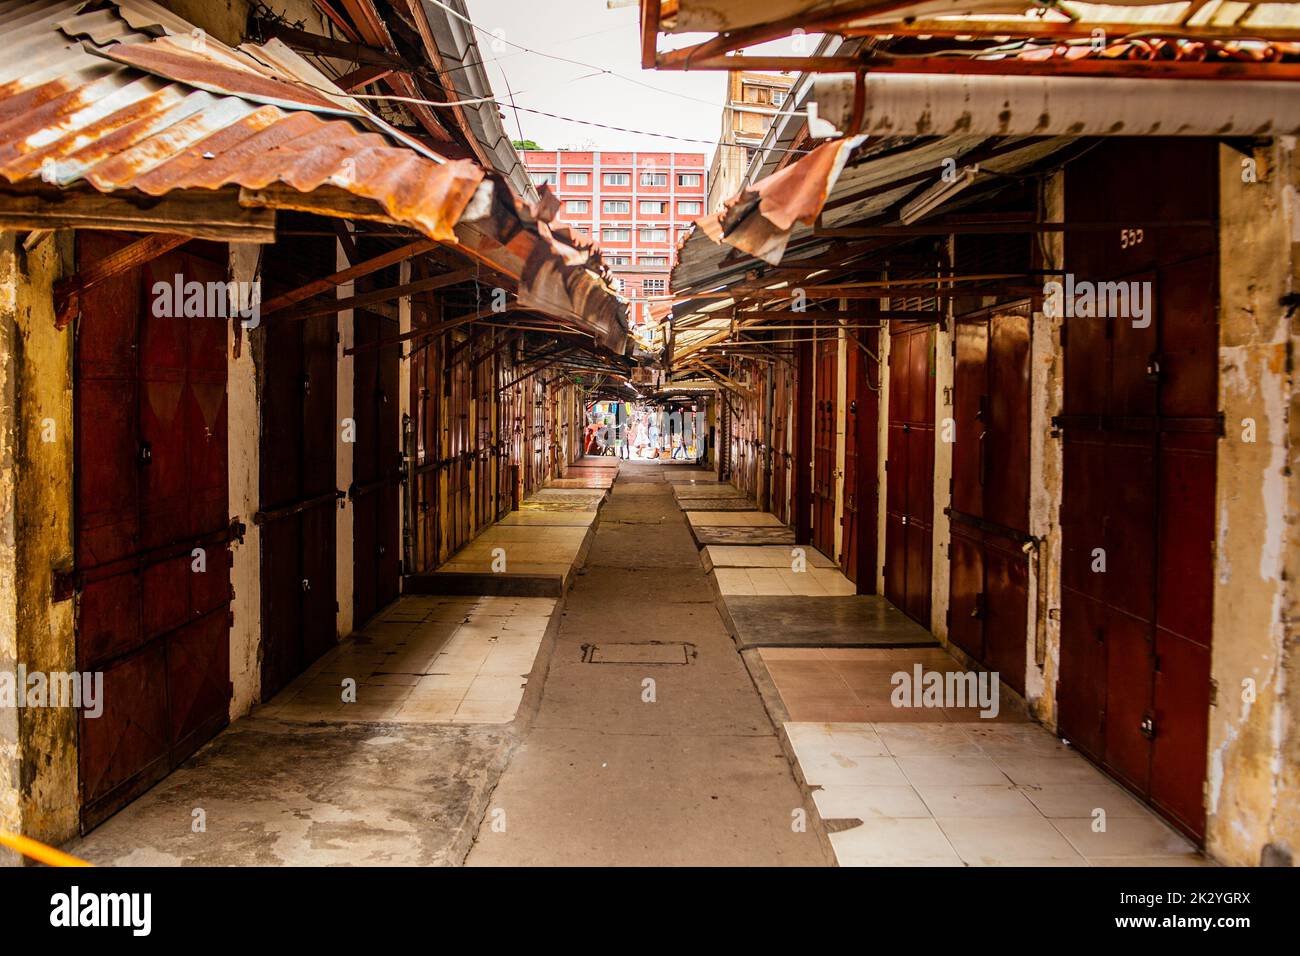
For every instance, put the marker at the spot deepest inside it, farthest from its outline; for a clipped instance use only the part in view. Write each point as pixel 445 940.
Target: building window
pixel 688 179
pixel 581 230
pixel 617 261
pixel 577 205
pixel 575 179
pixel 654 260
pixel 778 97
pixel 616 206
pixel 654 235
pixel 690 208
pixel 651 208
pixel 655 286
pixel 544 179
pixel 616 235
pixel 654 179
pixel 616 179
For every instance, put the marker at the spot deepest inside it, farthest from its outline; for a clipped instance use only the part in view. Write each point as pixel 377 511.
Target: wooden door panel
pixel 1129 666
pixel 966 598
pixel 970 416
pixel 1006 614
pixel 1081 688
pixel 150 485
pixel 1181 709
pixel 1006 495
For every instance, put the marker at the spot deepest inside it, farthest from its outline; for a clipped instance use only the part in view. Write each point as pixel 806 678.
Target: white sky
pixel 683 104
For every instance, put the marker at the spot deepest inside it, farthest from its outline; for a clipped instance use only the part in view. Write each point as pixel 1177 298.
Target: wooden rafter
pixel 68 292
pixel 331 282
pixel 380 295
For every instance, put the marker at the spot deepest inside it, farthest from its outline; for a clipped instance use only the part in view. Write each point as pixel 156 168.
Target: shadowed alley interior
pixel 376 488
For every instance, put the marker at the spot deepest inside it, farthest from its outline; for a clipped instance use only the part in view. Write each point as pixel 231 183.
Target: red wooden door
pixel 860 444
pixel 426 391
pixel 825 409
pixel 151 491
pixel 782 404
pixel 988 605
pixel 376 462
pixel 300 432
pixel 1140 432
pixel 909 502
pixel 485 433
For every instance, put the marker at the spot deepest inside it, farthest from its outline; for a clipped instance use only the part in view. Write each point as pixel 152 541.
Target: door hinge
pixel 1214 692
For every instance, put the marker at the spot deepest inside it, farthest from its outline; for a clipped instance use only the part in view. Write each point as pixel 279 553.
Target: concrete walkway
pixel 651 746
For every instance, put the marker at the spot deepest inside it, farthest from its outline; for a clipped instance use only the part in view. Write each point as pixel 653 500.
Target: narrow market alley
pixel 650 433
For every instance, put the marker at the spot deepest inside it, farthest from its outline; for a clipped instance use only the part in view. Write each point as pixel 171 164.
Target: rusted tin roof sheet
pixel 84 97
pixel 758 220
pixel 719 16
pixel 128 98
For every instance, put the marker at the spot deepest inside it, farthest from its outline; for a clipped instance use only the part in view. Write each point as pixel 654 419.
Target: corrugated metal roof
pixel 463 69
pixel 719 16
pixel 87 97
pixel 129 98
pixel 703 264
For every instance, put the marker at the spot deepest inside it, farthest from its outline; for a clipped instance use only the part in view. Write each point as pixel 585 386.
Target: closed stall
pixel 298 494
pixel 826 388
pixel 988 610
pixel 152 564
pixel 861 441
pixel 909 470
pixel 376 458
pixel 783 393
pixel 1140 429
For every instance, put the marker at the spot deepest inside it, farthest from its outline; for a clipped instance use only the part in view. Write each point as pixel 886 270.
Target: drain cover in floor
pixel 649 652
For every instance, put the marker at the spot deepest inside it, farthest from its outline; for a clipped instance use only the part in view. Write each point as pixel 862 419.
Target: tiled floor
pixel 527 549
pixel 734 519
pixel 811 582
pixel 426 660
pixel 761 556
pixel 854 684
pixel 961 794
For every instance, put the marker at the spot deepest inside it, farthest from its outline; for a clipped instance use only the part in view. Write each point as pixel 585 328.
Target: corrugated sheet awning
pixel 128 99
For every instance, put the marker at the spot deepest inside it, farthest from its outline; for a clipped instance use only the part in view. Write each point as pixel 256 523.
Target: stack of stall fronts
pixel 806 395
pixel 489 424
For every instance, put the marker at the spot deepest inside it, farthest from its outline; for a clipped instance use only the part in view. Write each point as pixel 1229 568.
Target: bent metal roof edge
pixel 117 98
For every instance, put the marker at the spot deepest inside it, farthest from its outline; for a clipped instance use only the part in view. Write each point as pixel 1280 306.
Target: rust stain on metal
pixel 145 116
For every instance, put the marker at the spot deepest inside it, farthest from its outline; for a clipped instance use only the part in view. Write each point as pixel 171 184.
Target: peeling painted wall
pixel 1046 476
pixel 1253 779
pixel 940 566
pixel 344 452
pixel 38 755
pixel 244 461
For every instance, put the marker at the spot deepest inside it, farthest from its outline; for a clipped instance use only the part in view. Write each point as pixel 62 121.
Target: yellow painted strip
pixel 39 851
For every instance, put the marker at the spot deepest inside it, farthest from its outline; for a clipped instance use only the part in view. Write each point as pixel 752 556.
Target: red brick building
pixel 636 205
